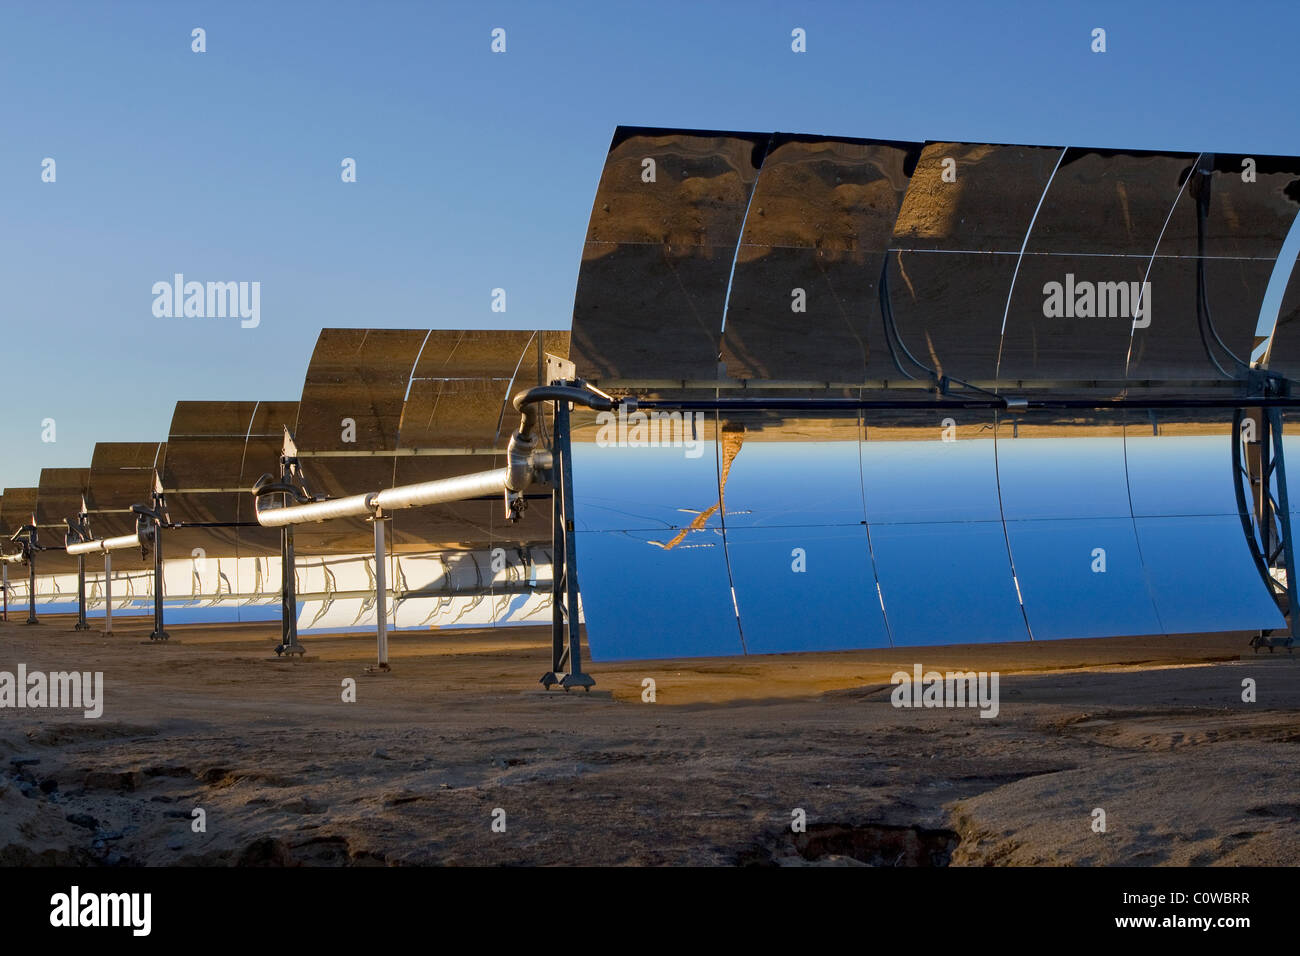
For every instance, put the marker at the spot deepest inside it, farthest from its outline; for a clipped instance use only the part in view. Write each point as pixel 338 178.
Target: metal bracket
pixel 559 370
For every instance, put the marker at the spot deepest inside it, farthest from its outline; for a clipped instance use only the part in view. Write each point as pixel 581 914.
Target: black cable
pixel 891 327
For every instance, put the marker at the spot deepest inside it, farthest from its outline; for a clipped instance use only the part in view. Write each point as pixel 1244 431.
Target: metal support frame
pixel 81 624
pixel 29 551
pixel 1267 519
pixel 289 643
pixel 298 504
pixel 566 648
pixel 290 476
pixel 156 521
pixel 381 591
pixel 4 585
pixel 108 592
pixel 28 544
pixel 80 530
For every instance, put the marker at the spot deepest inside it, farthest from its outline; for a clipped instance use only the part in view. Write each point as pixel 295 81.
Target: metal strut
pixel 1266 519
pixel 31 549
pixel 108 592
pixel 79 531
pixel 25 538
pixel 291 485
pixel 150 522
pixel 158 521
pixel 289 643
pixel 566 649
pixel 381 594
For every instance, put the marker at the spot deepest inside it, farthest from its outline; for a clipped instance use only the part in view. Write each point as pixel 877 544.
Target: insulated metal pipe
pixel 435 492
pixel 527 402
pixel 460 488
pixel 106 544
pixel 315 511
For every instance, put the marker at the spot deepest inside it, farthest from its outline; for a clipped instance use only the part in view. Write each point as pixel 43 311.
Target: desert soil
pixel 1152 731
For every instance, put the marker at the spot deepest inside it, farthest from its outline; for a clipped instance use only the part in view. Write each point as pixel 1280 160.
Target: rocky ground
pixel 1153 732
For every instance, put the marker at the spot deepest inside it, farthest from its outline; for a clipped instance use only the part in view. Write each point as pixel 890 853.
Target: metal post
pixel 81 624
pixel 566 649
pixel 159 633
pixel 108 592
pixel 381 592
pixel 30 549
pixel 4 579
pixel 557 582
pixel 289 643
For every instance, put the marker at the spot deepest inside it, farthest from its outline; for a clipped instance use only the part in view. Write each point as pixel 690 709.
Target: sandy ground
pixel 1152 731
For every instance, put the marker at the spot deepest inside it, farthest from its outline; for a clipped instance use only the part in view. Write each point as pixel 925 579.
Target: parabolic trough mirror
pixel 1008 429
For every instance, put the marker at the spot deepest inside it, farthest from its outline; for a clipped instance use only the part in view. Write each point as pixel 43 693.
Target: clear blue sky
pixel 477 170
